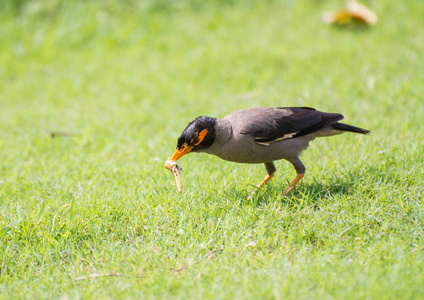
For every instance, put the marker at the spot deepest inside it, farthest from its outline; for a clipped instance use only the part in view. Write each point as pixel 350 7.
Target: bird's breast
pixel 243 149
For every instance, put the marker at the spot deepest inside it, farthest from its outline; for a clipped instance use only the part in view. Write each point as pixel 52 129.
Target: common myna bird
pixel 262 135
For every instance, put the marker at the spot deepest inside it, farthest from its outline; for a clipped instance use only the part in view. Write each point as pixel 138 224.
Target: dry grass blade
pixel 182 268
pixel 212 252
pixel 54 134
pixel 209 255
pixel 96 275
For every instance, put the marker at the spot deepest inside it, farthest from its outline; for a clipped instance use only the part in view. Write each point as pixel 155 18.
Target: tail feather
pixel 350 128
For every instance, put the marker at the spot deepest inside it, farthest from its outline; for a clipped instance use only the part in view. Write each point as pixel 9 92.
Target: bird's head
pixel 199 134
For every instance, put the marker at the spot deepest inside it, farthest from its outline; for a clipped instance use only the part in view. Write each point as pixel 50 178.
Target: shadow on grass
pixel 354 27
pixel 306 193
pixel 312 193
pixel 344 182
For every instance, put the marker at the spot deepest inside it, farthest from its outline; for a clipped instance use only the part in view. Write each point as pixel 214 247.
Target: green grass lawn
pixel 121 80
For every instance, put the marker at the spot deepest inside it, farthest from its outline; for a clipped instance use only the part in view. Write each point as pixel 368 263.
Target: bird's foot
pixel 293 184
pixel 252 194
pixel 287 192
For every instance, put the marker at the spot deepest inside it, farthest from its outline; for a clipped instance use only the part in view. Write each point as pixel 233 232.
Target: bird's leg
pixel 292 185
pixel 300 169
pixel 266 179
pixel 270 169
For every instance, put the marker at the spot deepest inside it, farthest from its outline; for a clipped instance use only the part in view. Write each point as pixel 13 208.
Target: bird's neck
pixel 223 132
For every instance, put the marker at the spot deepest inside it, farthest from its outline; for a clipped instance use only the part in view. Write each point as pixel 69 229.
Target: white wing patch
pixel 284 137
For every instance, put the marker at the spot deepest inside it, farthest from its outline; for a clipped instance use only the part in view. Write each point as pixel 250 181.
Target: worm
pixel 176 171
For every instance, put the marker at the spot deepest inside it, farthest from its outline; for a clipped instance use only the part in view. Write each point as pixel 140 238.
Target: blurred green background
pixel 116 82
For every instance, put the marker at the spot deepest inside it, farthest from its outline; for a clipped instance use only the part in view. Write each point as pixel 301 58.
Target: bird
pixel 262 135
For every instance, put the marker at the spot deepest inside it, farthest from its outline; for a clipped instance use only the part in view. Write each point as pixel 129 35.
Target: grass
pixel 122 79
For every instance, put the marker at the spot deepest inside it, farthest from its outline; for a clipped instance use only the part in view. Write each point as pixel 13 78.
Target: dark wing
pixel 293 122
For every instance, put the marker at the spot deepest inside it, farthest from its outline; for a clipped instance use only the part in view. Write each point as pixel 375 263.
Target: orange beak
pixel 180 152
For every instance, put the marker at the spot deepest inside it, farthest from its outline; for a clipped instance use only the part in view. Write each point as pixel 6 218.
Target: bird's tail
pixel 350 128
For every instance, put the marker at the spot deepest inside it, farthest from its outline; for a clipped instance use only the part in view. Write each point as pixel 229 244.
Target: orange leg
pixel 263 182
pixel 293 184
pixel 266 179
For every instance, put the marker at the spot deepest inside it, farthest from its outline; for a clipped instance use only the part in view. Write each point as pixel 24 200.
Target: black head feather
pixel 190 134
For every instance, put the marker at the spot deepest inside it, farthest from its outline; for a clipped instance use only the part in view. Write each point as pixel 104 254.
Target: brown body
pixel 234 145
pixel 261 135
